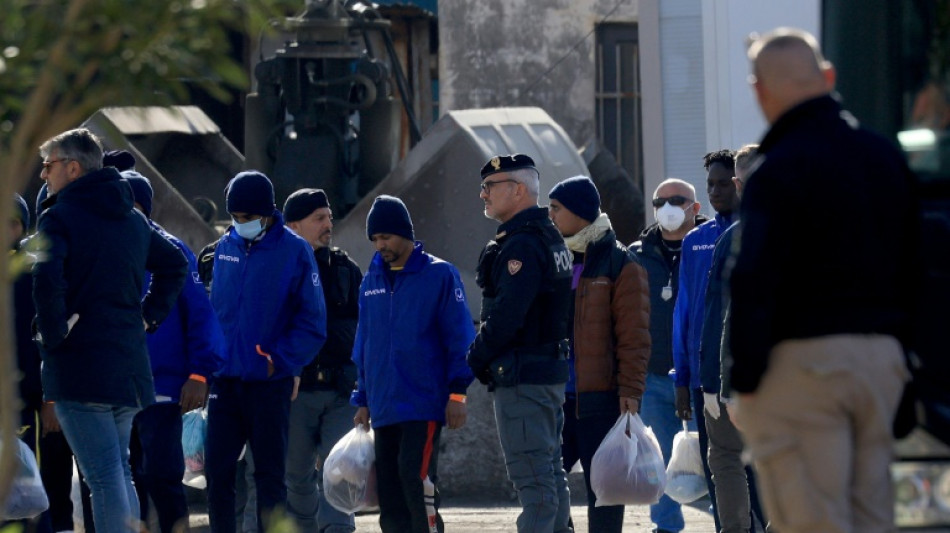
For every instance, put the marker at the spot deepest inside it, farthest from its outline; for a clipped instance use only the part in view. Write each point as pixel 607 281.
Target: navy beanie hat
pixel 579 196
pixel 22 210
pixel 141 190
pixel 389 215
pixel 250 192
pixel 120 159
pixel 302 203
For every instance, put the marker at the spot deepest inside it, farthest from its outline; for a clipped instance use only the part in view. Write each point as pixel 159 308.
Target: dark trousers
pixel 158 464
pixel 256 413
pixel 406 453
pixel 580 439
pixel 699 415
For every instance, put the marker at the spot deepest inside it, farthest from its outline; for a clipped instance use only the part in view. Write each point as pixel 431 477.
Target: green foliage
pixel 87 54
pixel 12 527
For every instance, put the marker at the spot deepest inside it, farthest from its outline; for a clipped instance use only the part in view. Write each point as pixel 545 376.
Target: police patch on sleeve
pixel 514 266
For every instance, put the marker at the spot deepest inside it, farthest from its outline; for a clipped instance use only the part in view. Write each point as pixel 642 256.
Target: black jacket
pixel 98 249
pixel 340 277
pixel 525 276
pixel 852 201
pixel 660 272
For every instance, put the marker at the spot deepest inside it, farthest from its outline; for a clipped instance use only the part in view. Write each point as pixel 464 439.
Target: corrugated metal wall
pixel 684 123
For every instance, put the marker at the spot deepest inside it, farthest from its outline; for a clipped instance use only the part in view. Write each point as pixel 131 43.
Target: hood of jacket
pixel 102 191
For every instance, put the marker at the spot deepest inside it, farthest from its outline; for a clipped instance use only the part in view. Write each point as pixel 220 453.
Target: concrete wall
pixel 495 53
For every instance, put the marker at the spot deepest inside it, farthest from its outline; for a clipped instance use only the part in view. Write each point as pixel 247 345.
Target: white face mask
pixel 670 217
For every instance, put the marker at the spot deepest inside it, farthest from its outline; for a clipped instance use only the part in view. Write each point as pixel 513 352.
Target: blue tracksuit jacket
pixel 189 340
pixel 269 300
pixel 411 340
pixel 698 249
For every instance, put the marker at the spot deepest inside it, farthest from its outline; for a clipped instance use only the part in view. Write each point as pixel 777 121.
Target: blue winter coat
pixel 698 246
pixel 189 341
pixel 411 340
pixel 98 249
pixel 710 359
pixel 269 300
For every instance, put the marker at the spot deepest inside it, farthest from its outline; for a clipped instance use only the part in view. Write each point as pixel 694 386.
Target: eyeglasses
pixel 676 200
pixel 486 185
pixel 51 162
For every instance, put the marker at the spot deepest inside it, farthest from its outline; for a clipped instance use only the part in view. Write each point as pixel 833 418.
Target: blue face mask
pixel 248 230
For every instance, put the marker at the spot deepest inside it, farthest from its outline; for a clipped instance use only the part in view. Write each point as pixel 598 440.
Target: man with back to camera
pixel 414 329
pixel 610 337
pixel 658 250
pixel 91 318
pixel 521 348
pixel 268 299
pixel 183 356
pixel 321 415
pixel 816 337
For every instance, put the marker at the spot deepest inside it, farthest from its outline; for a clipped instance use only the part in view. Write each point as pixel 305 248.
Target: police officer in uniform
pixel 521 347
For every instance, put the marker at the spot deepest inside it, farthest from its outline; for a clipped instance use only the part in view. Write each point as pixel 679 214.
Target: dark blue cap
pixel 389 215
pixel 579 195
pixel 507 163
pixel 250 192
pixel 141 190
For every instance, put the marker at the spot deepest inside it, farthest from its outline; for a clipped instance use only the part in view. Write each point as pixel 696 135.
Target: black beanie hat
pixel 302 203
pixel 579 196
pixel 389 215
pixel 22 210
pixel 141 190
pixel 120 159
pixel 250 192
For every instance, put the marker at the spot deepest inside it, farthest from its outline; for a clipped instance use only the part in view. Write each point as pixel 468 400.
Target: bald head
pixel 789 69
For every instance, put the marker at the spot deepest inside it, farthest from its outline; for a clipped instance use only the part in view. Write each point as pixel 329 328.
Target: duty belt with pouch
pixel 536 365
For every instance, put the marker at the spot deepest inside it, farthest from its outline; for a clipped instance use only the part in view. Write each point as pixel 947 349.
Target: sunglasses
pixel 676 200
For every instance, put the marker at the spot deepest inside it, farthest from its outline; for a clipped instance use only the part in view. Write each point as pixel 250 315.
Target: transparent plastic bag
pixel 194 431
pixel 349 472
pixel 27 497
pixel 628 465
pixel 685 477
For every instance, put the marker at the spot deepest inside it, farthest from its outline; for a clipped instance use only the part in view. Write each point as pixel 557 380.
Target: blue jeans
pixel 318 419
pixel 658 411
pixel 99 437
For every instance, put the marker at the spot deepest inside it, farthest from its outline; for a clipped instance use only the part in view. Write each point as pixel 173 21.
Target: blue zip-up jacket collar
pixel 411 340
pixel 698 248
pixel 269 301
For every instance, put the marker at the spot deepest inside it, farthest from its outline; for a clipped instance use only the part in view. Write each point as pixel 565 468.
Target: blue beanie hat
pixel 579 196
pixel 120 159
pixel 389 215
pixel 250 192
pixel 141 190
pixel 22 210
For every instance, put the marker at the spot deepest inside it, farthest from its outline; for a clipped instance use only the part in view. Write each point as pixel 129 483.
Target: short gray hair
pixel 79 145
pixel 528 177
pixel 746 155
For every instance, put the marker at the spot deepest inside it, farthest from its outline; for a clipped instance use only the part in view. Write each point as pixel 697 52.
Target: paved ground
pixel 461 517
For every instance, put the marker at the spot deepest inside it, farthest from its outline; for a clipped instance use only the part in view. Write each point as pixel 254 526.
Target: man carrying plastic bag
pixel 628 466
pixel 349 473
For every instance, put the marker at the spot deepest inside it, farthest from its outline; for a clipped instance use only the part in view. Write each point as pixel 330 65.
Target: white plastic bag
pixel 628 466
pixel 27 497
pixel 194 431
pixel 349 473
pixel 685 477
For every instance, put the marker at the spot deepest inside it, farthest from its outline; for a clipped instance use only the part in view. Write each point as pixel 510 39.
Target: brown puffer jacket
pixel 611 321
